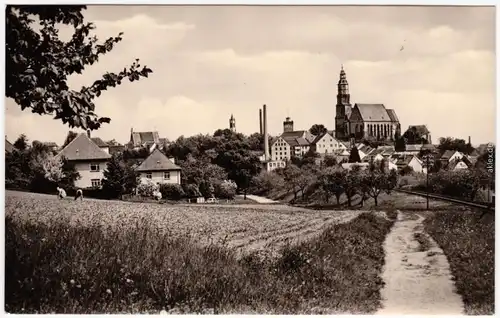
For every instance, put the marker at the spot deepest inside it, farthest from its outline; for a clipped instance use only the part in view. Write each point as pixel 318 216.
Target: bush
pixel 146 189
pixel 171 191
pixel 226 189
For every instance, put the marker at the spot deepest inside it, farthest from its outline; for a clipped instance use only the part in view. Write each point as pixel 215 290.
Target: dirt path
pixel 416 275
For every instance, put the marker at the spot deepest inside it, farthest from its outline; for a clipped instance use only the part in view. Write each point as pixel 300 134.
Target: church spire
pixel 343 96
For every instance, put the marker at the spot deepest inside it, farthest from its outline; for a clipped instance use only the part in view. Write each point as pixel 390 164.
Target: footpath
pixel 417 280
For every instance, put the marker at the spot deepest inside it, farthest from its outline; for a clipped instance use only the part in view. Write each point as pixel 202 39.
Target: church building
pixel 370 121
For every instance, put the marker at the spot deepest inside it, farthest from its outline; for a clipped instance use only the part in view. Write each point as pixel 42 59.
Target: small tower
pixel 232 123
pixel 288 125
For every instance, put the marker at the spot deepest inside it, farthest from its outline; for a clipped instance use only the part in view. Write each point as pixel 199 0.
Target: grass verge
pixel 60 268
pixel 468 241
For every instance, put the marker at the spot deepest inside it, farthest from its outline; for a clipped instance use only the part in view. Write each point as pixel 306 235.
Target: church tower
pixel 232 123
pixel 343 107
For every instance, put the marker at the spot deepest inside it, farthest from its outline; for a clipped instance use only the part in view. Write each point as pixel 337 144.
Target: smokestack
pixel 469 141
pixel 266 138
pixel 88 133
pixel 260 121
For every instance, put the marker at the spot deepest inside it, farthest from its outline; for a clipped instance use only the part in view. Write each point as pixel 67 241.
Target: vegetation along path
pixel 416 273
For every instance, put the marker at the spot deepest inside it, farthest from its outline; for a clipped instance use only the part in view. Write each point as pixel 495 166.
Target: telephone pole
pixel 428 162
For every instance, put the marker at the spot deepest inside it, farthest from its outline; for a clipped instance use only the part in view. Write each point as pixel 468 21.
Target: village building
pixel 8 146
pixel 326 143
pixel 89 160
pixel 362 120
pixel 147 139
pixel 159 169
pixel 101 144
pixel 290 143
pixel 410 161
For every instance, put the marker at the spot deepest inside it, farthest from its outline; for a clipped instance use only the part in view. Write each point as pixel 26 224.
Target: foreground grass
pixel 68 269
pixel 468 241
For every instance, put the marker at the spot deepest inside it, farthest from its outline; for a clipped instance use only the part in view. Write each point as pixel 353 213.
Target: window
pixel 96 183
pixel 166 175
pixel 149 175
pixel 94 167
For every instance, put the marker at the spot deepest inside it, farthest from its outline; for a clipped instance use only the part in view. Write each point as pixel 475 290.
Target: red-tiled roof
pixel 373 112
pixel 83 148
pixel 157 161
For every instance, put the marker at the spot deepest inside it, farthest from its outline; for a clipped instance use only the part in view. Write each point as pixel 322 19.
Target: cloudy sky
pixel 211 61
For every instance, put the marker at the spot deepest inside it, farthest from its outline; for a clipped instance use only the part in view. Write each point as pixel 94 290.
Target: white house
pixel 273 165
pixel 412 161
pixel 327 144
pixel 89 160
pixel 451 155
pixel 280 149
pixel 160 169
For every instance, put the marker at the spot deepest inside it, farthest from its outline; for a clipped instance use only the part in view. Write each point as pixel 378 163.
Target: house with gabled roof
pixel 459 164
pixel 146 139
pixel 160 169
pixel 412 161
pixel 89 160
pixel 290 143
pixel 325 143
pixel 449 155
pixel 101 144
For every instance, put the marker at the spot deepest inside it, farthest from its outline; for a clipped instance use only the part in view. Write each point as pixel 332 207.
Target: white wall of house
pixel 91 173
pixel 416 165
pixel 161 177
pixel 328 144
pixel 105 149
pixel 461 166
pixel 300 150
pixel 456 156
pixel 280 150
pixel 273 165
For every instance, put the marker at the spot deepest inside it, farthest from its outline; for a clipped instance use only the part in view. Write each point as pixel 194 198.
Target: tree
pixel 352 180
pixel 226 189
pixel 332 182
pixel 38 63
pixel 318 129
pixel 354 155
pixel 69 138
pixel 171 191
pixel 291 174
pixel 413 136
pixel 450 143
pixel 330 161
pixel 119 177
pixel 400 145
pixel 21 143
pixel 304 180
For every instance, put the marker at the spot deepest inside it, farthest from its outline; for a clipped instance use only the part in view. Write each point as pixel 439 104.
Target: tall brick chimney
pixel 260 122
pixel 88 133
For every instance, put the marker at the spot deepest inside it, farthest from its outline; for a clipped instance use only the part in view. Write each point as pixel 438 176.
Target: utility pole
pixel 428 160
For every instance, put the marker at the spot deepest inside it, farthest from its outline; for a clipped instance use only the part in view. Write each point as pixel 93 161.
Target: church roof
pixel 83 148
pixel 157 161
pixel 373 112
pixel 393 116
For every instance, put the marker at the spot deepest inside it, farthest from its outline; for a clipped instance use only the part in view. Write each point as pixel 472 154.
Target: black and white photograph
pixel 249 159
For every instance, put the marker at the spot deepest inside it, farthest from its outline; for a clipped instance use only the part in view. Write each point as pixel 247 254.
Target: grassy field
pixel 245 227
pixel 103 256
pixel 469 244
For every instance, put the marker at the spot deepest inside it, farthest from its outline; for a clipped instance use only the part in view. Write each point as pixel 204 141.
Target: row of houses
pixel 91 155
